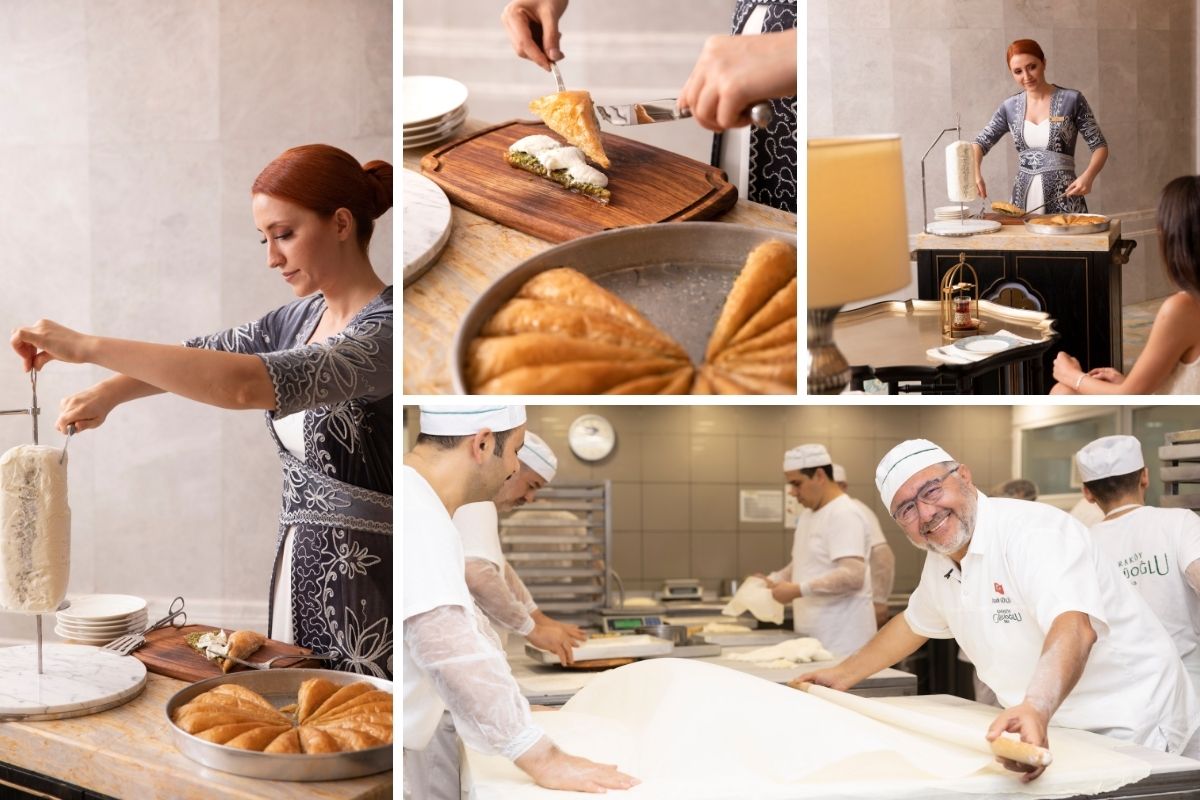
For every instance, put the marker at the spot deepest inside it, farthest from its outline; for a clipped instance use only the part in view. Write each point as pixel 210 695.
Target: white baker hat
pixel 538 456
pixel 469 420
pixel 839 474
pixel 806 456
pixel 902 462
pixel 1108 456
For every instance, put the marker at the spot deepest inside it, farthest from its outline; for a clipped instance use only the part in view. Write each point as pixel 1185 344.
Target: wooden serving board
pixel 1004 219
pixel 648 185
pixel 167 652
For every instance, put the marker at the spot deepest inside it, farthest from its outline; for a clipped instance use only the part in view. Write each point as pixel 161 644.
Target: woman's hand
pixel 532 27
pixel 1079 187
pixel 85 410
pixel 734 72
pixel 1066 369
pixel 46 341
pixel 1108 375
pixel 981 187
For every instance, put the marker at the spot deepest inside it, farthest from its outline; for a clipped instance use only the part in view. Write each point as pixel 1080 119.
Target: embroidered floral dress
pixel 1070 116
pixel 337 499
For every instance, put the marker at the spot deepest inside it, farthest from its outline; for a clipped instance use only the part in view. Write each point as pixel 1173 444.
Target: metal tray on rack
pixel 635 646
pixel 280 687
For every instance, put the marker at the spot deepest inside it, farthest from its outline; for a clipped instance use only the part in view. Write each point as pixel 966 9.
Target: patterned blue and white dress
pixel 336 518
pixel 1070 116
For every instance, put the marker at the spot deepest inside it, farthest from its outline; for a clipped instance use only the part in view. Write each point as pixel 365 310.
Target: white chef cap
pixel 902 462
pixel 806 456
pixel 538 456
pixel 839 474
pixel 1108 456
pixel 470 420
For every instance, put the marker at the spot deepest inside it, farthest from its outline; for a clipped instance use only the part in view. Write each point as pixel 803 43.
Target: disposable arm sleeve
pixel 883 572
pixel 784 574
pixel 1192 574
pixel 846 577
pixel 470 673
pixel 518 588
pixel 493 595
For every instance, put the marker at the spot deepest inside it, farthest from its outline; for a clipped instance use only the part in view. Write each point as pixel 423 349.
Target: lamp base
pixel 828 370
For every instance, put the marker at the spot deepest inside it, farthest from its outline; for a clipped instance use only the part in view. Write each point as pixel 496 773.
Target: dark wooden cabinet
pixel 1080 290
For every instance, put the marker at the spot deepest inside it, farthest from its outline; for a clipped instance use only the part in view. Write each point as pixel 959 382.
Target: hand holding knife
pixel 623 114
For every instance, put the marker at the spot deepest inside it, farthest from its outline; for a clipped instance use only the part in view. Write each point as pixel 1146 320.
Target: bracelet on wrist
pixel 1079 380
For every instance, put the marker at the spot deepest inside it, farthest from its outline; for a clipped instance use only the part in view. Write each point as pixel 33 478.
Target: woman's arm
pixel 1173 332
pixel 227 380
pixel 1083 184
pixel 980 186
pixel 89 408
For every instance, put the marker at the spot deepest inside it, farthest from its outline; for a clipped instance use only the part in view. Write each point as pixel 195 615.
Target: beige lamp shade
pixel 857 229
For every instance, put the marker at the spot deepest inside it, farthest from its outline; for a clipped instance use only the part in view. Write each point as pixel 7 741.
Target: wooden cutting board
pixel 167 652
pixel 648 185
pixel 1004 219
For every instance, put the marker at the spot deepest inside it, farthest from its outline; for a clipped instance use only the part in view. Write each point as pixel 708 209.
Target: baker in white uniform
pixel 881 560
pixel 1052 628
pixel 1157 549
pixel 494 584
pixel 827 580
pixel 452 659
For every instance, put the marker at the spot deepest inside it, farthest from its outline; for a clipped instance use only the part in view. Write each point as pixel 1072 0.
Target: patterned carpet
pixel 1135 323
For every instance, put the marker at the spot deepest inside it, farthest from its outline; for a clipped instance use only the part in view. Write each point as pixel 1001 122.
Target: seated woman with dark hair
pixel 1170 364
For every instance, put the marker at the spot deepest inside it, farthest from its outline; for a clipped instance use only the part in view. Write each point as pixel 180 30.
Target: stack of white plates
pixel 951 212
pixel 434 108
pixel 99 618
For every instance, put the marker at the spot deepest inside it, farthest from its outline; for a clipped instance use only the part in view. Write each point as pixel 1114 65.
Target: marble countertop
pixel 480 251
pixel 1015 237
pixel 131 746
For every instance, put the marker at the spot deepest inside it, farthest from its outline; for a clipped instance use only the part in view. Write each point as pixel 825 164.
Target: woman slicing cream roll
pixel 35 529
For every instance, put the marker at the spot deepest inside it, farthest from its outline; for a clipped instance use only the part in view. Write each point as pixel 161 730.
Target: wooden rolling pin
pixel 1004 746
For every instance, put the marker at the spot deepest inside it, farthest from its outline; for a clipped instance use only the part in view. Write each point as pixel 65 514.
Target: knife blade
pixel 646 113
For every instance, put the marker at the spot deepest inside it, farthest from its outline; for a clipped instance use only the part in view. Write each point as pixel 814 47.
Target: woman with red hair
pixel 321 368
pixel 1045 122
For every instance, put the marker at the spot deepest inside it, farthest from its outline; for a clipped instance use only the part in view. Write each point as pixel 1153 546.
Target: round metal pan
pixel 1032 226
pixel 677 275
pixel 280 687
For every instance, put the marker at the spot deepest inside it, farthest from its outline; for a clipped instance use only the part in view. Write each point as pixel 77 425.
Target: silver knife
pixel 666 111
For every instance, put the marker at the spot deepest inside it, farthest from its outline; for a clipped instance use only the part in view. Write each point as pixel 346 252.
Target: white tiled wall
pixel 130 134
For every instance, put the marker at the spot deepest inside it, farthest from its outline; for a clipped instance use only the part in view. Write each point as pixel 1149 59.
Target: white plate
pixel 96 607
pixel 101 630
pixel 428 139
pixel 134 622
pixel 983 344
pixel 427 97
pixel 951 212
pixel 426 224
pixel 448 121
pixel 85 639
pixel 965 227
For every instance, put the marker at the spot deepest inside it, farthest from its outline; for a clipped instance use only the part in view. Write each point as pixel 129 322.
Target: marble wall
pixel 620 50
pixel 914 66
pixel 676 472
pixel 131 132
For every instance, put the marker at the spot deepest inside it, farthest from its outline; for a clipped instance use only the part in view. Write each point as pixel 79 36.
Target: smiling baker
pixel 1052 627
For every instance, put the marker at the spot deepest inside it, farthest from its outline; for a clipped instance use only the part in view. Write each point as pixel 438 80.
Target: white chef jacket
pixel 1026 564
pixel 841 622
pixel 433 576
pixel 479 526
pixel 1152 547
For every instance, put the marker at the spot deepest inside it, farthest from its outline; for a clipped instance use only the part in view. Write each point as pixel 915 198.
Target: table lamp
pixel 857 240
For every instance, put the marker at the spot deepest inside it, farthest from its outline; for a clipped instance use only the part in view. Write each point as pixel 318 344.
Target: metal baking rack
pixel 1180 470
pixel 559 545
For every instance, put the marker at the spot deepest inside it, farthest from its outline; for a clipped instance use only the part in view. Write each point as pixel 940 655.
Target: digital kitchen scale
pixel 628 623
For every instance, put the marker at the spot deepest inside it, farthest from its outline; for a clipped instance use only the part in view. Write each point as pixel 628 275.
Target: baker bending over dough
pixel 493 582
pixel 1032 601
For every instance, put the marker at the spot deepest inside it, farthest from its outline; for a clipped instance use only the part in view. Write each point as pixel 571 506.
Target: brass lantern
pixel 960 300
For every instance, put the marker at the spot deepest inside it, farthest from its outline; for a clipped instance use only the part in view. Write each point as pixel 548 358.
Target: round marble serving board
pixel 426 224
pixel 76 680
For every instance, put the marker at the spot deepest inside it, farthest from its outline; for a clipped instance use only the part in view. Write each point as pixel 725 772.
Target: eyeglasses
pixel 929 493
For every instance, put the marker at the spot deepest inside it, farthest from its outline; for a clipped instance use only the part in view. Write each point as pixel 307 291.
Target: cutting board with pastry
pixel 196 652
pixel 562 177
